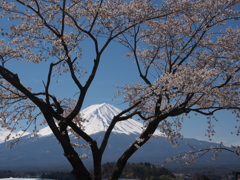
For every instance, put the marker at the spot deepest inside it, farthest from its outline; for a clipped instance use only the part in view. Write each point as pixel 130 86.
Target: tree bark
pixel 122 161
pixel 79 170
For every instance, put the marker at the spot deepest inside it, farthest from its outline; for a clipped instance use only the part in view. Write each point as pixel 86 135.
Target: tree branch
pixel 116 119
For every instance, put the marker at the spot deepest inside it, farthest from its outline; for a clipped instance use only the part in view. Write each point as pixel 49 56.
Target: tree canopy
pixel 185 53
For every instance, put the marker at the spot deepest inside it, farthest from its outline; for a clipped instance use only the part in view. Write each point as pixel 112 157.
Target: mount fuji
pixel 99 117
pixel 47 154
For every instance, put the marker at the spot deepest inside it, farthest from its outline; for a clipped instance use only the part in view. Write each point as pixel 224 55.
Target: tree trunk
pixel 122 161
pixel 79 170
pixel 97 161
pixel 98 169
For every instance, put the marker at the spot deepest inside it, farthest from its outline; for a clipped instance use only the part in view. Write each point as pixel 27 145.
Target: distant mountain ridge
pixel 100 116
pixel 46 153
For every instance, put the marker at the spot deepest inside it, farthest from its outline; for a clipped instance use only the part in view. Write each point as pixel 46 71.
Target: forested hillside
pixel 143 171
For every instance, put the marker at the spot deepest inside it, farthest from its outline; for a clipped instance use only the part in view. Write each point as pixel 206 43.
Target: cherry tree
pixel 186 55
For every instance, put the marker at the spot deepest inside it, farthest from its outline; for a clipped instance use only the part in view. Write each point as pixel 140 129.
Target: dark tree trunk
pixel 97 161
pixel 122 161
pixel 79 170
pixel 98 169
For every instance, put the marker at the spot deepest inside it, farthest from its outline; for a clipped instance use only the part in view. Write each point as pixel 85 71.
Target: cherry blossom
pixel 186 54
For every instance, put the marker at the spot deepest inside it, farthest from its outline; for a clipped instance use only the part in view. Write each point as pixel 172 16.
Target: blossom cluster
pixel 187 59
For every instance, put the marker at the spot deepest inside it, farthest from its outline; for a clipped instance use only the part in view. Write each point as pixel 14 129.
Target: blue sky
pixel 114 70
pixel 117 70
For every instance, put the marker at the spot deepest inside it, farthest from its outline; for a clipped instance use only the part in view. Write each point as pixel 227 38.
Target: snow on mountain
pixel 46 153
pixel 99 117
pixel 45 131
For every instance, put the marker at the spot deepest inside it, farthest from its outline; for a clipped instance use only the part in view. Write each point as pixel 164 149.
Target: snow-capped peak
pixel 99 117
pixel 45 131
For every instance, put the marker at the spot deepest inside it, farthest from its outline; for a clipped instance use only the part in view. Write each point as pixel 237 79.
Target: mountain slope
pixel 99 117
pixel 47 154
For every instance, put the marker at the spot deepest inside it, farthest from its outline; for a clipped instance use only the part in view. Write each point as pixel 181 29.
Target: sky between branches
pixel 118 70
